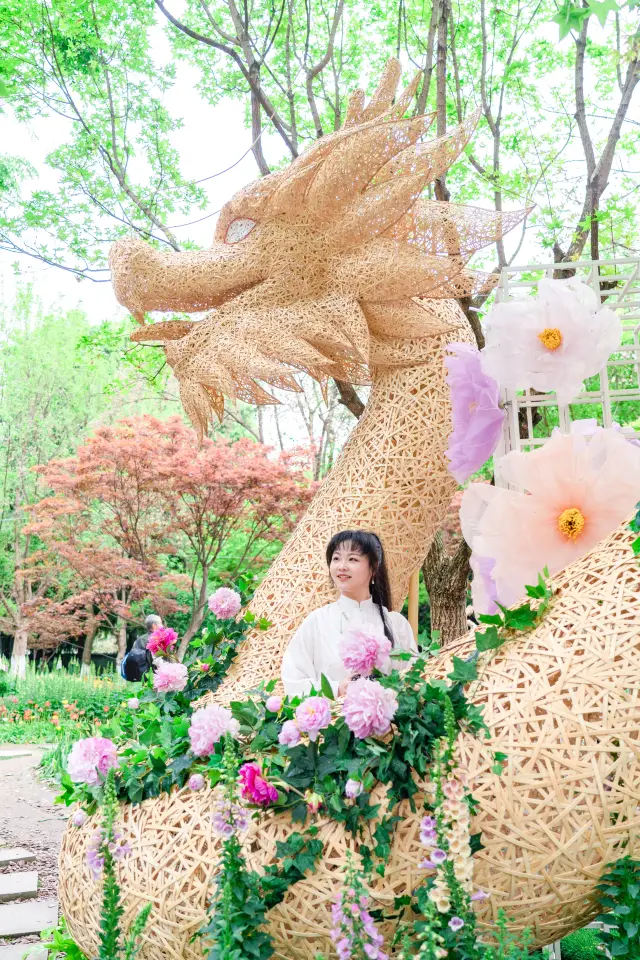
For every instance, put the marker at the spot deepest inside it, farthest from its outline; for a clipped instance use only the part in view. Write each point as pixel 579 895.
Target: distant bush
pixel 582 945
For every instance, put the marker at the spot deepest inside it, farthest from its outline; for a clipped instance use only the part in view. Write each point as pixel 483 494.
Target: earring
pixel 373 581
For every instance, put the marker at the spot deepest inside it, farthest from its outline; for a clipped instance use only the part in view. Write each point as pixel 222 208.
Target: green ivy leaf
pixel 464 671
pixel 490 639
pixel 326 687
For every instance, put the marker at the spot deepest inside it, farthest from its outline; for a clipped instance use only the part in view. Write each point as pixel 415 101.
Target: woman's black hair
pixel 369 544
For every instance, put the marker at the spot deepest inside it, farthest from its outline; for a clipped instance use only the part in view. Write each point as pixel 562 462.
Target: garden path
pixel 29 819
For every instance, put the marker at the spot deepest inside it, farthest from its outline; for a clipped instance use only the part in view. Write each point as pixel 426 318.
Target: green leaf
pixel 602 8
pixel 326 687
pixel 635 546
pixel 569 18
pixel 630 928
pixel 522 618
pixel 464 671
pixel 619 948
pixel 496 619
pixel 490 639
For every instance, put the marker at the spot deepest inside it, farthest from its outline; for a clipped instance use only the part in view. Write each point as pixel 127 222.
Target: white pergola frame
pixel 624 299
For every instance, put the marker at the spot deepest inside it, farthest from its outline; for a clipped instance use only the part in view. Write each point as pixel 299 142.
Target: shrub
pixel 582 945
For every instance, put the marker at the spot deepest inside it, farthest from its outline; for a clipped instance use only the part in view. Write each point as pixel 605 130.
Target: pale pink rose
pixel 274 704
pixel 225 603
pixel 90 759
pixel 208 725
pixel 79 818
pixel 195 781
pixel 369 708
pixel 170 677
pixel 313 715
pixel 290 733
pixel 353 789
pixel 362 650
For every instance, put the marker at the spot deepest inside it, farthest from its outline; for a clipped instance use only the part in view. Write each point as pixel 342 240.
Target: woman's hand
pixel 343 687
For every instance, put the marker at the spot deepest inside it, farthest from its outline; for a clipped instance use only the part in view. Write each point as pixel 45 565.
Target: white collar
pixel 348 605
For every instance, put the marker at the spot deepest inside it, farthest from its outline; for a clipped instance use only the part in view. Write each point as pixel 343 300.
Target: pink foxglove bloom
pixel 208 725
pixel 577 489
pixel 369 708
pixel 90 760
pixel 313 715
pixel 480 895
pixel 274 704
pixel 254 787
pixel 364 649
pixel 289 736
pixel 552 343
pixel 170 677
pixel 225 603
pixel 456 923
pixel 195 781
pixel 162 640
pixel 475 409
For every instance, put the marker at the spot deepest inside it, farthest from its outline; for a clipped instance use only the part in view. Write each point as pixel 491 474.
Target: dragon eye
pixel 239 229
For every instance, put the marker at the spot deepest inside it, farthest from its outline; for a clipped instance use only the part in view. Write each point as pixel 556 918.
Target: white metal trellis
pixel 617 283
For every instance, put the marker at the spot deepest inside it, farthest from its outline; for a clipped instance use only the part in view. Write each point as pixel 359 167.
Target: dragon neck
pixel 391 477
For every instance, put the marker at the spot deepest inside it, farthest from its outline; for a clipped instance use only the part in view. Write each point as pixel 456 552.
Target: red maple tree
pixel 144 490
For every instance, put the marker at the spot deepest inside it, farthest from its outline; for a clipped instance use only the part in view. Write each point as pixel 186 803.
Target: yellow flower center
pixel 571 522
pixel 551 338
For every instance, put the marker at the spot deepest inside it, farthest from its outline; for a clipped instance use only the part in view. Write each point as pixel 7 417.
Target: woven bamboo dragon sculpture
pixel 337 266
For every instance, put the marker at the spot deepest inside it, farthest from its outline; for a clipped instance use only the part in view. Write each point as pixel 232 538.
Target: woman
pixel 357 567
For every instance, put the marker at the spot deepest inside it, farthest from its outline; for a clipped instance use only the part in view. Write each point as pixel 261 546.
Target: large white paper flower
pixel 553 343
pixel 578 488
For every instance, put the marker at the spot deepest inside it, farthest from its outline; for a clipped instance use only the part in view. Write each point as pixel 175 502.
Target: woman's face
pixel 351 571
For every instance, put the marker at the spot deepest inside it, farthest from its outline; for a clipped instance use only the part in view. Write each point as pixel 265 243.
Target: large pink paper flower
pixel 363 649
pixel 225 603
pixel 552 343
pixel 369 708
pixel 90 760
pixel 169 677
pixel 208 725
pixel 476 413
pixel 254 786
pixel 578 489
pixel 313 715
pixel 162 639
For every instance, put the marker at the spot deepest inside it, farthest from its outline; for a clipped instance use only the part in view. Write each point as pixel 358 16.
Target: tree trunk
pixel 85 666
pixel 446 579
pixel 122 641
pixel 19 652
pixel 197 616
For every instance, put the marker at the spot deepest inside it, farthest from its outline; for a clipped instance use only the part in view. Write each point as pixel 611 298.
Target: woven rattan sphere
pixel 562 701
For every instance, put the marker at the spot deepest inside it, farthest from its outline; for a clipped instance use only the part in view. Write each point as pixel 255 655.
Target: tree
pixel 142 492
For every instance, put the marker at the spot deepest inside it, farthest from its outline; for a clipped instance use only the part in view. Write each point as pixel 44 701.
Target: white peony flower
pixel 553 343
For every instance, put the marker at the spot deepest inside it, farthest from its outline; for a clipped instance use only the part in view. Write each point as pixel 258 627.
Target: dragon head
pixel 319 267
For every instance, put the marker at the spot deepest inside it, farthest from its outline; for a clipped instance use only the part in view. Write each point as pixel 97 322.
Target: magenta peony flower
pixel 369 708
pixel 254 787
pixel 162 639
pixel 290 734
pixel 477 417
pixel 313 715
pixel 90 759
pixel 208 725
pixel 170 677
pixel 362 650
pixel 225 603
pixel 353 789
pixel 274 704
pixel 195 781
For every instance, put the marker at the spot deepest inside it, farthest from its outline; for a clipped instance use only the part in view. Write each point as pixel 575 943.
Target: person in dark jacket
pixel 151 623
pixel 138 661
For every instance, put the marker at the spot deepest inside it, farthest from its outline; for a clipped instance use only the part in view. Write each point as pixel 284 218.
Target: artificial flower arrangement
pixel 391 738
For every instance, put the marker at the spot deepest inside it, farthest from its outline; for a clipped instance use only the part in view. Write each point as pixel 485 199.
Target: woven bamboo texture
pixel 562 701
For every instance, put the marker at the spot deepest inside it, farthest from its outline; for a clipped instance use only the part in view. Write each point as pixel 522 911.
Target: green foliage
pixel 619 896
pixel 58 945
pixel 582 945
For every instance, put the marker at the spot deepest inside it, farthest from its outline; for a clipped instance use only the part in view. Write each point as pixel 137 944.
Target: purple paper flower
pixel 476 414
pixel 483 587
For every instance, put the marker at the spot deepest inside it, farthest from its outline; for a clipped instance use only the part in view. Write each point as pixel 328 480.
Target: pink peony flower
pixel 225 603
pixel 208 725
pixel 133 703
pixel 195 781
pixel 369 708
pixel 254 787
pixel 161 640
pixel 290 733
pixel 353 789
pixel 274 704
pixel 90 759
pixel 476 413
pixel 170 677
pixel 79 818
pixel 313 715
pixel 362 650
